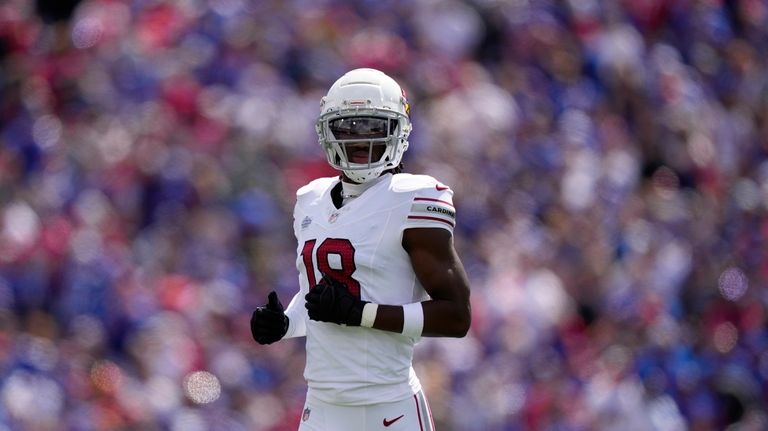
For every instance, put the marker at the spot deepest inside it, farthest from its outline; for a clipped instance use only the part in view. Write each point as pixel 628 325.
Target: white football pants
pixel 410 414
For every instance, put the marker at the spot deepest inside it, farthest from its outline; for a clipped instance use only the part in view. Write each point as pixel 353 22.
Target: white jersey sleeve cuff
pixel 297 317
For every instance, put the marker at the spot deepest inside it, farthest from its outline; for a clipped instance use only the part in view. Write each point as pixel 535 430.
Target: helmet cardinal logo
pixel 405 102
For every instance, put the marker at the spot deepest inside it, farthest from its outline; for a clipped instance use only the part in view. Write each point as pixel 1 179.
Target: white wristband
pixel 413 319
pixel 369 314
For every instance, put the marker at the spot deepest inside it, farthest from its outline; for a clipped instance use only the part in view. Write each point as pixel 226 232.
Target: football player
pixel 377 267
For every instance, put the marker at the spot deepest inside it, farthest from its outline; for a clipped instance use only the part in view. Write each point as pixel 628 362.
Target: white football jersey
pixel 360 244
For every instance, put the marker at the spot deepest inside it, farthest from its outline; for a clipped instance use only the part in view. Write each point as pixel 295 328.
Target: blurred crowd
pixel 609 162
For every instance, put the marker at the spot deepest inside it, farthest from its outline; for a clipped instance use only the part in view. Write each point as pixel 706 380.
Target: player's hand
pixel 330 301
pixel 269 323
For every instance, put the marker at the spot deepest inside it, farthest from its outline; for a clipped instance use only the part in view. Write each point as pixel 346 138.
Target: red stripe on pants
pixel 418 411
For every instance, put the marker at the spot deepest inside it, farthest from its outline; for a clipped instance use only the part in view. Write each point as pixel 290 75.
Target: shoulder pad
pixel 431 204
pixel 315 188
pixel 412 183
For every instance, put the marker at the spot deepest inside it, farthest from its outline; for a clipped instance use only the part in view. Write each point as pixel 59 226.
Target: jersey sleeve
pixel 297 316
pixel 297 217
pixel 432 208
pixel 296 311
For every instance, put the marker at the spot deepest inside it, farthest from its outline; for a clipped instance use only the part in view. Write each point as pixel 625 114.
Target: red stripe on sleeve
pixel 434 200
pixel 431 218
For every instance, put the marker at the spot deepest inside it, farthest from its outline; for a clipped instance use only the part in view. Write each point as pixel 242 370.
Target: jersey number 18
pixel 338 246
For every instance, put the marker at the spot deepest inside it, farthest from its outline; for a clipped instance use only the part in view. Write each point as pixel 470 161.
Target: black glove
pixel 330 301
pixel 269 323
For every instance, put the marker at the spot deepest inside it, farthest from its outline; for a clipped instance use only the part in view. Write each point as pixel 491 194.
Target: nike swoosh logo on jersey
pixel 388 423
pixel 440 188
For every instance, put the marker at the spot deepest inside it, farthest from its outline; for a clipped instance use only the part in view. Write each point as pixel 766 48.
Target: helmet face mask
pixel 363 125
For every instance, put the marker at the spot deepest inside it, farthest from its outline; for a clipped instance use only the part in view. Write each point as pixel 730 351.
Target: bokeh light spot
pixel 106 376
pixel 701 149
pixel 746 193
pixel 47 131
pixel 19 229
pixel 725 337
pixel 86 33
pixel 202 387
pixel 733 284
pixel 32 398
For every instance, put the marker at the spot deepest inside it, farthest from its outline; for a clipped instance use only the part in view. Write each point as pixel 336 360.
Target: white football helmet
pixel 364 124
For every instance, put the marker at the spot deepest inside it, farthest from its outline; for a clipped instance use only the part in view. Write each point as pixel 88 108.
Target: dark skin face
pixel 358 153
pixel 367 134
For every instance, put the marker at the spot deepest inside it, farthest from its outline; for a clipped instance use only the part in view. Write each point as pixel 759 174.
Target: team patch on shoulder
pixel 431 209
pixel 306 222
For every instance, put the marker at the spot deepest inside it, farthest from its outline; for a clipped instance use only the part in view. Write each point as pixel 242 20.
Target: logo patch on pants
pixel 388 423
pixel 305 415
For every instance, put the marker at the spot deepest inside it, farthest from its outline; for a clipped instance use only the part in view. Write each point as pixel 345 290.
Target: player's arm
pixel 428 240
pixel 438 268
pixel 272 322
